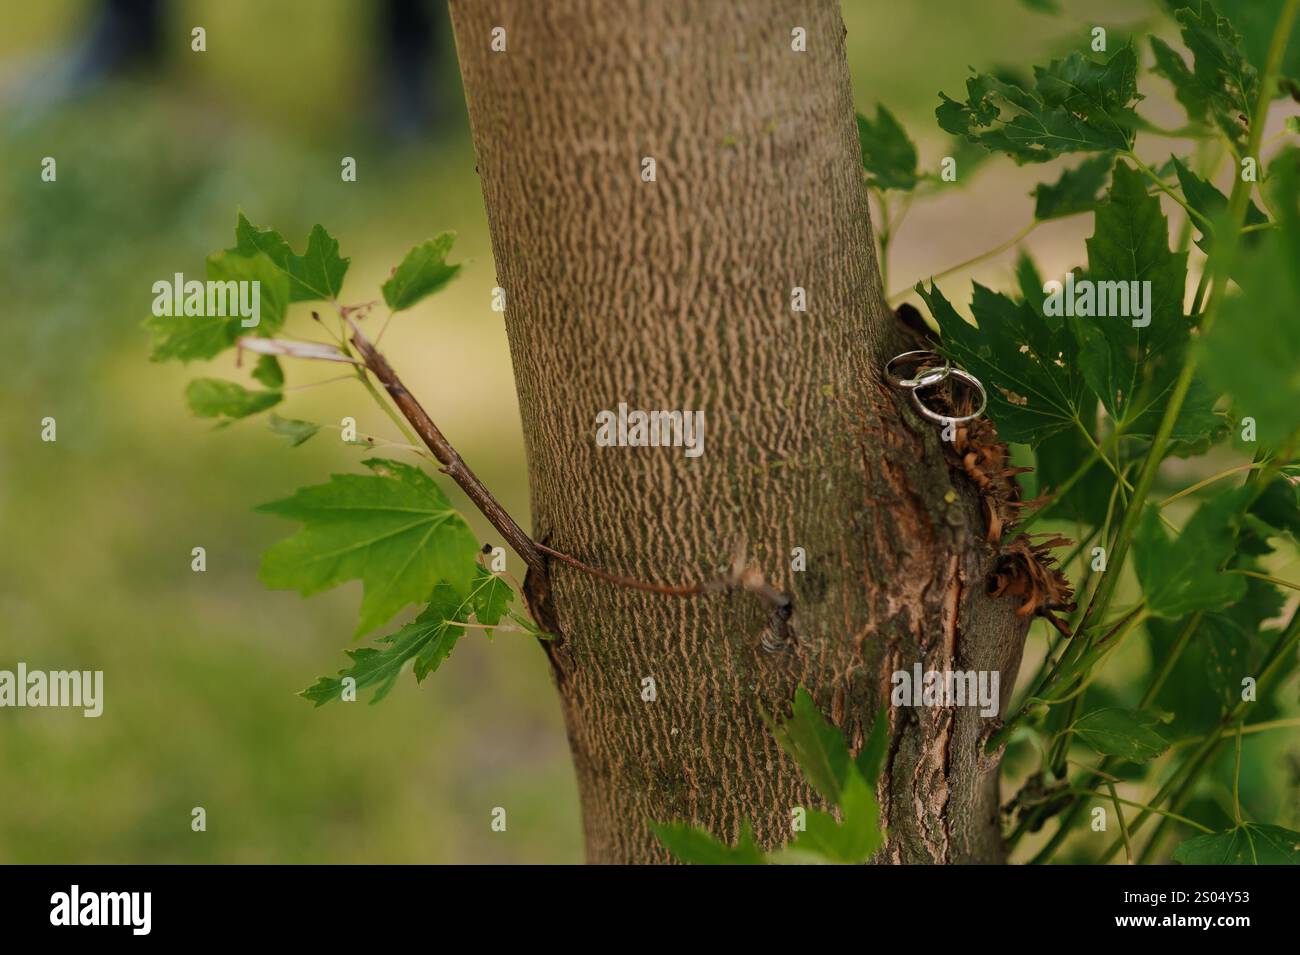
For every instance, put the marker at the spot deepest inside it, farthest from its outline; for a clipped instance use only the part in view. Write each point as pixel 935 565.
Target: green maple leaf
pixel 315 275
pixel 1187 89
pixel 1248 844
pixel 852 838
pixel 1222 85
pixel 237 267
pixel 820 751
pixel 190 337
pixel 436 627
pixel 423 272
pixel 490 598
pixel 1026 361
pixel 1133 369
pixel 432 634
pixel 292 428
pixel 213 398
pixel 427 640
pixel 394 530
pixel 1077 190
pixel 818 747
pixel 1234 637
pixel 815 744
pixel 1076 105
pixel 695 846
pixel 1227 645
pixel 1127 734
pixel 1185 574
pixel 1213 205
pixel 268 372
pixel 1253 350
pixel 1256 20
pixel 196 337
pixel 888 155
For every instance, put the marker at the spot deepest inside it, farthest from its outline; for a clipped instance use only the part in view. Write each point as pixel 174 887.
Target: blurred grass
pixel 201 669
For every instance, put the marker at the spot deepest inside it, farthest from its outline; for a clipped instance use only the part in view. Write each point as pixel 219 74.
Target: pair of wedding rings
pixel 927 369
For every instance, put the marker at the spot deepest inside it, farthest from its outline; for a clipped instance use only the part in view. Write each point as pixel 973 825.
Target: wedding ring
pixel 971 381
pixel 924 376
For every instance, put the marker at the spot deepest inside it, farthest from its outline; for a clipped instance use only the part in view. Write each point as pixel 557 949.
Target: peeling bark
pixel 675 294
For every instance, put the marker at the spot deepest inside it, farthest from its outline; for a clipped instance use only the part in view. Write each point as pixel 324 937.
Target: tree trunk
pixel 676 294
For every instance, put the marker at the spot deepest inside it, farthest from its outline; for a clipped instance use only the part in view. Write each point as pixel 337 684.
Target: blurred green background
pixel 201 670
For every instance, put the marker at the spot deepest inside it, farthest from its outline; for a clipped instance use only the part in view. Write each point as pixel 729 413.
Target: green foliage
pixel 195 337
pixel 1076 105
pixel 695 846
pixel 1253 353
pixel 394 530
pixel 1127 734
pixel 821 753
pixel 1222 86
pixel 421 273
pixel 212 398
pixel 1028 362
pixel 1256 19
pixel 1104 400
pixel 315 275
pixel 1184 574
pixel 295 430
pixel 1077 190
pixel 1212 205
pixel 1247 844
pixel 427 641
pixel 1132 369
pixel 888 155
pixel 268 372
pixel 815 745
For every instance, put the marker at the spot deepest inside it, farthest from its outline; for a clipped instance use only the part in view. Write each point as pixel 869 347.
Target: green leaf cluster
pixel 849 835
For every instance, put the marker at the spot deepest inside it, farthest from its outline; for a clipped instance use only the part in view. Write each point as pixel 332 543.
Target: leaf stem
pixel 1123 826
pixel 1207 482
pixel 1164 187
pixel 1224 250
pixel 1182 779
pixel 974 260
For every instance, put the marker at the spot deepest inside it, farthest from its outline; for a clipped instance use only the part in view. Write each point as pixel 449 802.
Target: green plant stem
pixel 388 409
pixel 1183 778
pixel 1236 780
pixel 1276 581
pixel 885 235
pixel 1224 251
pixel 1261 477
pixel 1123 827
pixel 1248 730
pixel 1164 187
pixel 1058 494
pixel 1139 805
pixel 1069 814
pixel 895 297
pixel 1208 481
pixel 1056 685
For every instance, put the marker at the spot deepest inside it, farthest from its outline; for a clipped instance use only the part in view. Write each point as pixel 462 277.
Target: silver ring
pixel 937 418
pixel 926 375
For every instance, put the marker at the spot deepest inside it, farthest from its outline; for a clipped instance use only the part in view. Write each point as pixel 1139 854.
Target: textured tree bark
pixel 676 294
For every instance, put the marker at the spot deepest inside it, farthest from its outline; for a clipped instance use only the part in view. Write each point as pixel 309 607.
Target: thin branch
pixel 741 575
pixel 452 464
